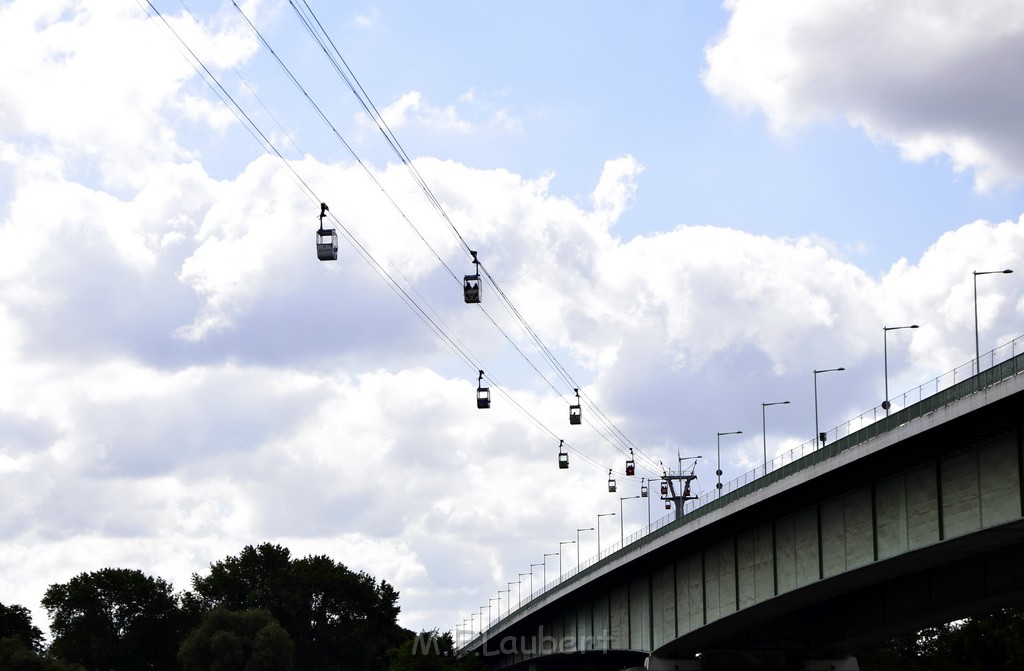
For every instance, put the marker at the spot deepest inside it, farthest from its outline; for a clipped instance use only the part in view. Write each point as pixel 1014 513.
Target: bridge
pixel 907 519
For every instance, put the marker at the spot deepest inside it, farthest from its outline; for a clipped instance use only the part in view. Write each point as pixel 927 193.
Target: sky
pixel 682 209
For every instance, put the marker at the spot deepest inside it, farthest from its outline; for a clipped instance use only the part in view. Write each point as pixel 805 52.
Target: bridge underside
pixel 962 577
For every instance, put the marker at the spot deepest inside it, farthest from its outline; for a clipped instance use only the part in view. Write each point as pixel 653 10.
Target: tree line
pixel 262 610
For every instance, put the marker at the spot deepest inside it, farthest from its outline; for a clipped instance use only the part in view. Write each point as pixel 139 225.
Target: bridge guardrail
pixel 1003 362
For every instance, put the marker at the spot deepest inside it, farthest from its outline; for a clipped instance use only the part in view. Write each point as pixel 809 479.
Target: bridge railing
pixel 1001 363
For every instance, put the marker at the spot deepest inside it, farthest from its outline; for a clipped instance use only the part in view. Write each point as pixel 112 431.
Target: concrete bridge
pixel 911 520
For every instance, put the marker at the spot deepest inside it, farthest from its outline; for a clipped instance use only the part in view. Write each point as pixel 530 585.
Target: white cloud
pixel 933 79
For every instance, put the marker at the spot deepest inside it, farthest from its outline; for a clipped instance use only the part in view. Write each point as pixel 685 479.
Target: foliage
pixel 114 619
pixel 16 655
pixel 430 651
pixel 16 622
pixel 337 618
pixel 250 640
pixel 986 643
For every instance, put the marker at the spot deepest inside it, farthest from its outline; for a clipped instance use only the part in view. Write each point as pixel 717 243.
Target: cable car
pixel 611 481
pixel 630 464
pixel 664 488
pixel 326 239
pixel 668 506
pixel 483 394
pixel 471 283
pixel 563 456
pixel 643 489
pixel 575 411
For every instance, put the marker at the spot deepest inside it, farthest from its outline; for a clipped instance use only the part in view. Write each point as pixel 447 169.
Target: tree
pixel 336 617
pixel 16 622
pixel 430 651
pixel 114 619
pixel 250 640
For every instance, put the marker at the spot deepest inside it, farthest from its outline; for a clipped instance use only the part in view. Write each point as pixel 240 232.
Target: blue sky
pixel 694 205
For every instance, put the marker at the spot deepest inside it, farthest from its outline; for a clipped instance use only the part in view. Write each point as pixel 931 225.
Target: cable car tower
pixel 326 239
pixel 675 487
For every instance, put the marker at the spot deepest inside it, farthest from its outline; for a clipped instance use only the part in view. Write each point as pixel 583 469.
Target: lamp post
pixel 521 588
pixel 764 436
pixel 885 360
pixel 489 609
pixel 499 599
pixel 977 351
pixel 622 516
pixel 510 596
pixel 578 544
pixel 718 472
pixel 544 573
pixel 531 578
pixel 817 435
pixel 599 516
pixel 560 544
pixel 471 616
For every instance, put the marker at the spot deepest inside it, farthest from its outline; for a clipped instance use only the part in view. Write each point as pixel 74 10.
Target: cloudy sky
pixel 691 206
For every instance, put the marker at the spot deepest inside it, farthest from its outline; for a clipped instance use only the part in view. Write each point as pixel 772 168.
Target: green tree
pixel 250 640
pixel 430 651
pixel 336 617
pixel 16 622
pixel 117 619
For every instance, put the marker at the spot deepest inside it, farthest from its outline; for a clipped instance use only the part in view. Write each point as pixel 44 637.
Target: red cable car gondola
pixel 575 411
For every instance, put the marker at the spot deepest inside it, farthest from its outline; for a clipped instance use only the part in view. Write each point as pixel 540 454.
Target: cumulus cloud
pixel 932 79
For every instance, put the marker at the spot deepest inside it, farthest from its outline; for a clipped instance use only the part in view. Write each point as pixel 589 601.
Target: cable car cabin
pixel 563 456
pixel 483 394
pixel 630 464
pixel 668 506
pixel 643 491
pixel 326 239
pixel 664 488
pixel 327 244
pixel 611 481
pixel 575 411
pixel 471 289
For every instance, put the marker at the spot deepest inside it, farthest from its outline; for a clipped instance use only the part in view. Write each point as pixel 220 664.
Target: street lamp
pixel 977 352
pixel 531 578
pixel 510 596
pixel 578 545
pixel 499 599
pixel 544 573
pixel 818 436
pixel 718 441
pixel 764 437
pixel 521 587
pixel 489 609
pixel 560 544
pixel 885 354
pixel 599 516
pixel 622 516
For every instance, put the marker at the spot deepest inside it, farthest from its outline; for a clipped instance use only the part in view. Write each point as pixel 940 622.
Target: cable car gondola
pixel 471 283
pixel 664 488
pixel 483 394
pixel 575 411
pixel 643 489
pixel 630 464
pixel 326 239
pixel 611 481
pixel 563 456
